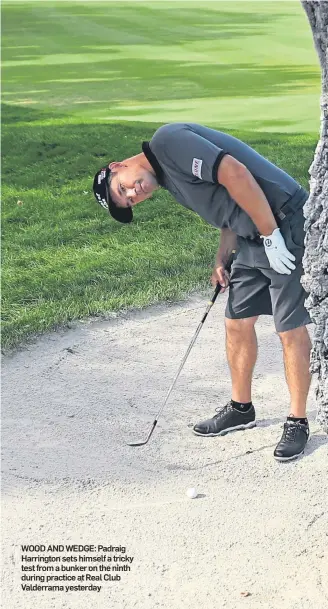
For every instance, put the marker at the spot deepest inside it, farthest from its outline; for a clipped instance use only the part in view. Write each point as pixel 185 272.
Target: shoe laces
pixel 221 411
pixel 290 429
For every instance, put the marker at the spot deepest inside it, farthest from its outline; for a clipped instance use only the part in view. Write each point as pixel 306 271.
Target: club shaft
pixel 180 368
pixel 209 306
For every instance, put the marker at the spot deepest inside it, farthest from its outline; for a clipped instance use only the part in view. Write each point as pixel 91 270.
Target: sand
pixel 256 535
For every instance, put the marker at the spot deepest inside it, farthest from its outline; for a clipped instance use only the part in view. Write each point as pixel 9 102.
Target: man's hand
pixel 278 255
pixel 221 276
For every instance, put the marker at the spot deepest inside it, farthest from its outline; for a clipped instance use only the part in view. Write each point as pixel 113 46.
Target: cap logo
pixel 101 176
pixel 102 201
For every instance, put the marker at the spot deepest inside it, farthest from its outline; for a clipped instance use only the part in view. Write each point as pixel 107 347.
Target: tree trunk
pixel 315 261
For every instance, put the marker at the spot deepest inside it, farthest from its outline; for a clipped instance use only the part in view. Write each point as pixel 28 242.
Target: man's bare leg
pixel 241 347
pixel 296 348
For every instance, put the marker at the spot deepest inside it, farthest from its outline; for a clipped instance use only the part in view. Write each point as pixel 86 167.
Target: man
pixel 258 208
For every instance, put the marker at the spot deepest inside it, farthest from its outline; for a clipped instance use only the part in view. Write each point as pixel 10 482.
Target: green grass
pixel 85 84
pixel 237 65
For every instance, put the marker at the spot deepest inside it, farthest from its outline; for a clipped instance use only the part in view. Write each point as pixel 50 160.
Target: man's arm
pixel 228 243
pixel 244 189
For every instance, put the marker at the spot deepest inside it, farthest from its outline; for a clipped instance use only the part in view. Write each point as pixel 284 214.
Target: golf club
pixel 209 306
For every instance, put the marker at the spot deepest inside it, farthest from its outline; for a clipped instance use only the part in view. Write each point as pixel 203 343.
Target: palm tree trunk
pixel 315 261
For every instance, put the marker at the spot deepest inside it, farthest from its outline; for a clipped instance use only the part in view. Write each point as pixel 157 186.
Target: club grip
pixel 227 268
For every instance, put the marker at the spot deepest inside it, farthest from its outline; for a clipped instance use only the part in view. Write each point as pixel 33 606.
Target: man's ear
pixel 115 165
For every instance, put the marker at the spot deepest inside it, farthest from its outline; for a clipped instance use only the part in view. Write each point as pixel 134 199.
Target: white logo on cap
pixel 197 168
pixel 102 201
pixel 101 176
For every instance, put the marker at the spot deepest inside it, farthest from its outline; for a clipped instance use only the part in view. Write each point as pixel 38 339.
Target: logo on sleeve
pixel 197 168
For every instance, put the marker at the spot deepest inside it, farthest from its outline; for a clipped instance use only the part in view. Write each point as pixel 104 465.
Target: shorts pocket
pixel 292 230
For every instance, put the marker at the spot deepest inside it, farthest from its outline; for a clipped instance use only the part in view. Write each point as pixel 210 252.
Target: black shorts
pixel 257 289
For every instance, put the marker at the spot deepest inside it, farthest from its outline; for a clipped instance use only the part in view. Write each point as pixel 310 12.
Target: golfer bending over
pixel 258 208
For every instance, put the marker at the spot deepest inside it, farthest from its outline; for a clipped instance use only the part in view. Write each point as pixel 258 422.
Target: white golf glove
pixel 278 255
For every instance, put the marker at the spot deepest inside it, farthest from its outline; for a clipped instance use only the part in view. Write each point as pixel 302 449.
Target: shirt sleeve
pixel 186 151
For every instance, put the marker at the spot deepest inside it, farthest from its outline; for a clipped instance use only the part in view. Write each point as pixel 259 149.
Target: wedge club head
pixel 143 442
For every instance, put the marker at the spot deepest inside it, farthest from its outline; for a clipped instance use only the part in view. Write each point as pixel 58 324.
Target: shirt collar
pixel 154 162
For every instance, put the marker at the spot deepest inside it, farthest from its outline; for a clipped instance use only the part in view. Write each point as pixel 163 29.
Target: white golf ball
pixel 191 493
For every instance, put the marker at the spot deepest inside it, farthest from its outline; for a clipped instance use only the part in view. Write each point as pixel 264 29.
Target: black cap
pixel 102 194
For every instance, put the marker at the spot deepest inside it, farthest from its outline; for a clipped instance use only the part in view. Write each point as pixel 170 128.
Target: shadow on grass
pixel 12 114
pixel 111 82
pixel 86 145
pixel 137 25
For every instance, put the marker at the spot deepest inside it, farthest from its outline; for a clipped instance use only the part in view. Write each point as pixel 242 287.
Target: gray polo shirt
pixel 189 156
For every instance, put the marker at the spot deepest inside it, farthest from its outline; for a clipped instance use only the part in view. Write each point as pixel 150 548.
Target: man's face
pixel 131 185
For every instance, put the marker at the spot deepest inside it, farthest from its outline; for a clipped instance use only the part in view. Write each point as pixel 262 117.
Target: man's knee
pixel 240 325
pixel 295 335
